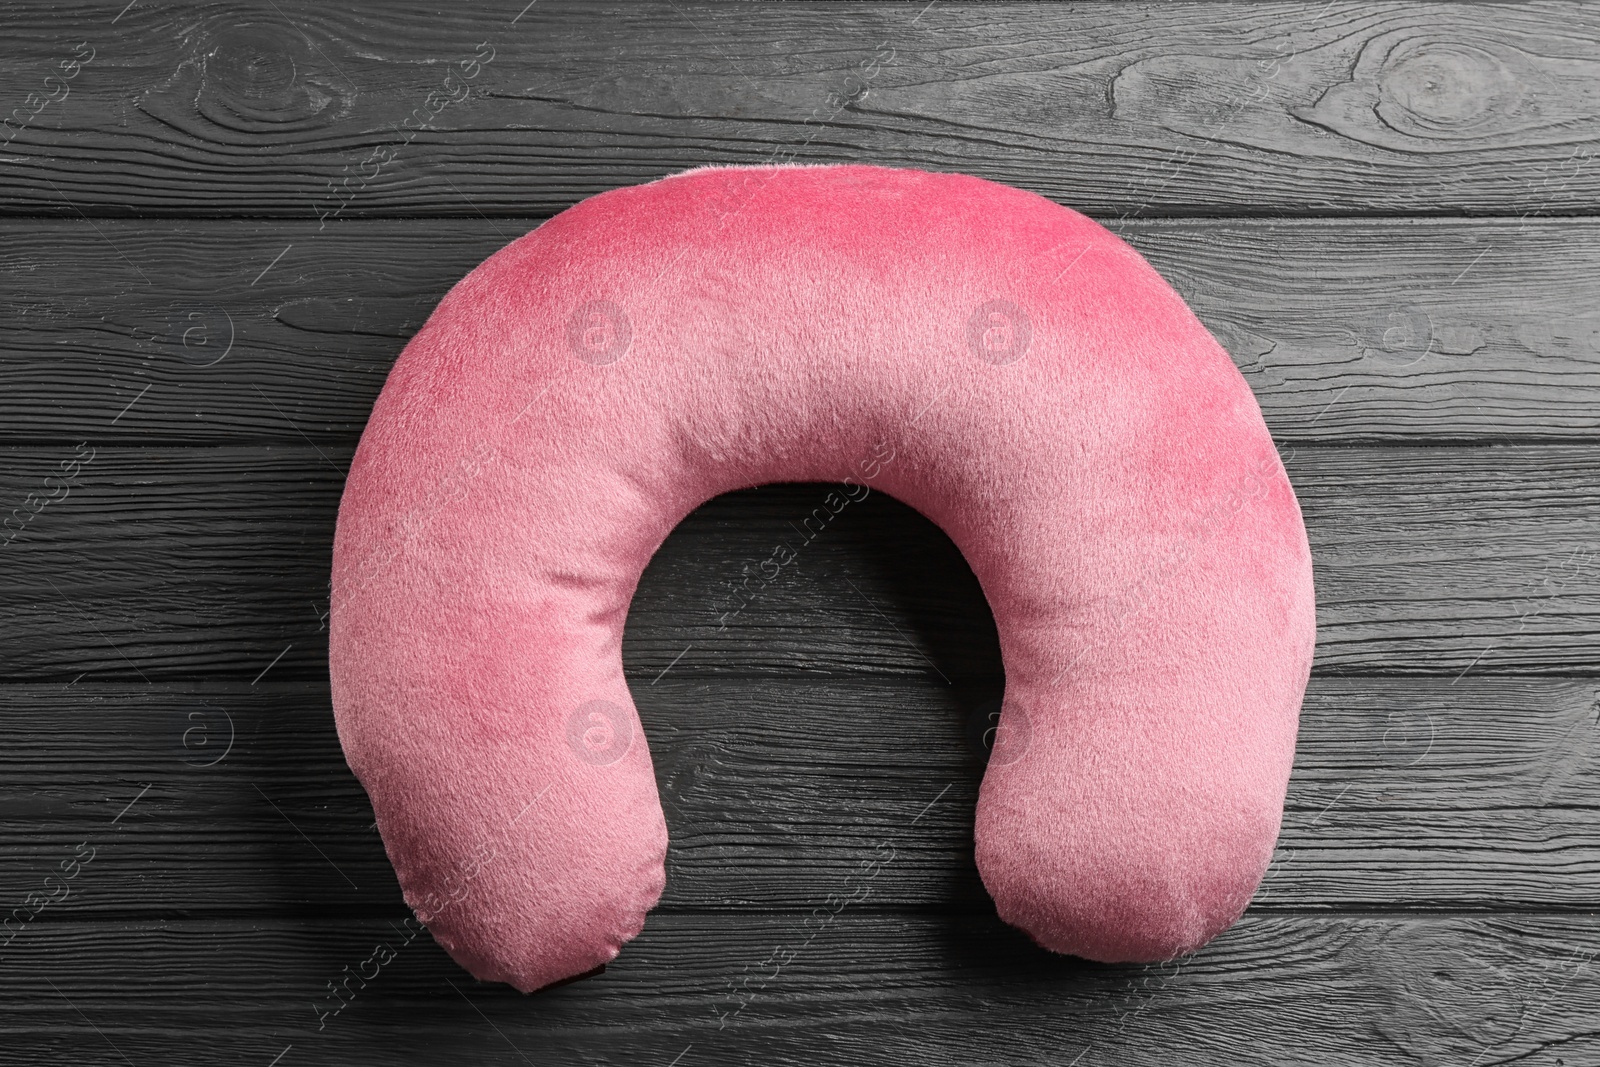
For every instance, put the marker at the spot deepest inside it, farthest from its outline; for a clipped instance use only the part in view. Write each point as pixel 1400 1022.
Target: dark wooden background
pixel 219 224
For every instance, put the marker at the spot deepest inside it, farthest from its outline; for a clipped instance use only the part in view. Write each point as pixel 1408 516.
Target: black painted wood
pixel 1409 330
pixel 1414 794
pixel 163 698
pixel 873 986
pixel 166 563
pixel 304 110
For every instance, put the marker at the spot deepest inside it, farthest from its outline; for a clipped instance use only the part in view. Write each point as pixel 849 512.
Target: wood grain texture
pixel 1407 330
pixel 222 221
pixel 871 986
pixel 184 562
pixel 301 110
pixel 234 800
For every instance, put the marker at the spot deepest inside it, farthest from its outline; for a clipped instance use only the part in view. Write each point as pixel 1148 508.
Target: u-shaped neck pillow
pixel 1000 363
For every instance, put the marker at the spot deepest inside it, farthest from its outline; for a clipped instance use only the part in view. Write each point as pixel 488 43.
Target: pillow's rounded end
pixel 1123 886
pixel 1148 923
pixel 498 937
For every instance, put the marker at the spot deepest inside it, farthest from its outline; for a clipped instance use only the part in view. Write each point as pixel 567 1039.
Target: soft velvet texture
pixel 998 362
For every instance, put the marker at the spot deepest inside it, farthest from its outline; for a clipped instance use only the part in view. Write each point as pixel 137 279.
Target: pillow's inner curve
pixel 798 590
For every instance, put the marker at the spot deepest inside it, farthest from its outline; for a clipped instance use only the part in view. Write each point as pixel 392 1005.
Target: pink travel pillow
pixel 998 362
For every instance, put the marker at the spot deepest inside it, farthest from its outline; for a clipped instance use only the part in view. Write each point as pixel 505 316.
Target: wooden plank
pixel 179 562
pixel 299 110
pixel 1348 331
pixel 231 799
pixel 871 987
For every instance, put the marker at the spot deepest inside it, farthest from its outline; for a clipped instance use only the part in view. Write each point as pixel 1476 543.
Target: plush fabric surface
pixel 998 362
